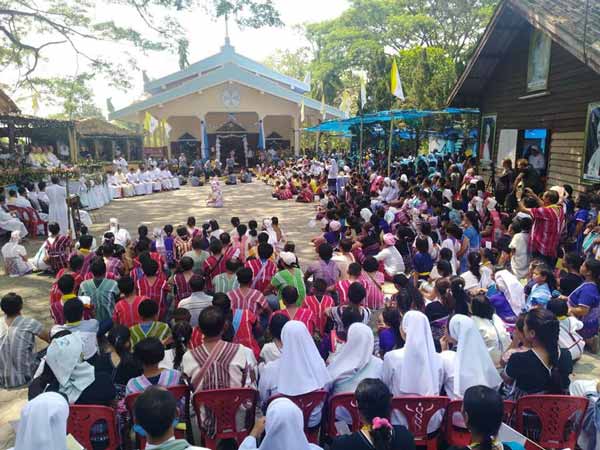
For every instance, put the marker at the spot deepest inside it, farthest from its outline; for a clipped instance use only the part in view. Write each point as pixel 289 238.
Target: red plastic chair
pixel 418 411
pixel 83 417
pixel 345 402
pixel 560 416
pixel 33 222
pixel 179 392
pixel 307 403
pixel 460 437
pixel 224 404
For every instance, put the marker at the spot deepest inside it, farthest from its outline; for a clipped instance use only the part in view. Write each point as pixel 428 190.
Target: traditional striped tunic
pixel 103 297
pixel 159 330
pixel 264 281
pixel 182 288
pixel 168 378
pixel 318 309
pixel 375 299
pixel 58 251
pixel 225 282
pixel 156 291
pixel 182 246
pixel 243 323
pixel 341 287
pixel 247 298
pixel 302 315
pixel 114 266
pixel 126 313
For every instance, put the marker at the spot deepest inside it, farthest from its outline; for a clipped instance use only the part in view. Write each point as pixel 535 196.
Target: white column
pixel 297 132
pixel 201 118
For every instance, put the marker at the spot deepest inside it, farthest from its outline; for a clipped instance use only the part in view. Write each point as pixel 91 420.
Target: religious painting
pixel 539 61
pixel 591 155
pixel 488 137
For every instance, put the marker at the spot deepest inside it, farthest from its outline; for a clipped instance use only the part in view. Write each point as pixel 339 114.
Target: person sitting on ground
pixel 374 401
pixel 289 275
pixel 102 292
pixel 318 303
pixel 17 343
pixel 226 281
pixel 196 302
pixel 198 253
pixel 149 325
pixel 66 286
pixel 568 336
pixel 271 351
pixel 289 297
pixel 153 285
pixel 150 352
pixel 86 329
pixel 15 257
pixel 126 308
pixel 181 279
pixel 155 412
pixel 246 297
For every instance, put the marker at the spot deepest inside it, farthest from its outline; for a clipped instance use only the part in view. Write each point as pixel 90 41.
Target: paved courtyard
pixel 248 201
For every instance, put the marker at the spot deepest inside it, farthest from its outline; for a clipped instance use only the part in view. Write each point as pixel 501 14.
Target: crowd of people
pixel 424 283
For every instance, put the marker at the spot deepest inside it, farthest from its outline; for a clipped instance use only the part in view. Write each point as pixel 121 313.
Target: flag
pixel 308 79
pixel 363 91
pixel 323 112
pixel 153 124
pixel 168 129
pixel 346 103
pixel 396 82
pixel 302 111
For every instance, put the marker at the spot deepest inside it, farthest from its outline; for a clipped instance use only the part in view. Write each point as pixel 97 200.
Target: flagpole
pixel 389 159
pixel 360 149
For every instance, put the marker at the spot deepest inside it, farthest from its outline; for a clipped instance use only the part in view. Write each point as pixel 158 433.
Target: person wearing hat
pixel 391 257
pixel 289 275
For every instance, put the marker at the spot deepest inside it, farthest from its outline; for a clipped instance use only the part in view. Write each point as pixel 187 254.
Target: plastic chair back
pixel 461 437
pixel 346 402
pixel 179 392
pixel 223 405
pixel 83 417
pixel 560 419
pixel 307 403
pixel 418 411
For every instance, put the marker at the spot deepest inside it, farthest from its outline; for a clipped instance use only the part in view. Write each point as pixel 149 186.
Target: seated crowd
pixel 417 288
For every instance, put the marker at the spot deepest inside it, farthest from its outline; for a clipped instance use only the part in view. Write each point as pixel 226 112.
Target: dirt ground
pixel 247 201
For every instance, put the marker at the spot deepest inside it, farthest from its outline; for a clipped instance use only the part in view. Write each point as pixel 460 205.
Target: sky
pixel 206 36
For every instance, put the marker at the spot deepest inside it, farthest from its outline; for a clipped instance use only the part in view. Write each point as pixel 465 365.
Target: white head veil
pixel 512 289
pixel 301 368
pixel 284 427
pixel 10 249
pixel 420 370
pixel 43 423
pixel 355 355
pixel 473 364
pixel 65 358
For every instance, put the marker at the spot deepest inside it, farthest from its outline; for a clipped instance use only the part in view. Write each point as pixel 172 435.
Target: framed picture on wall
pixel 538 65
pixel 488 137
pixel 591 147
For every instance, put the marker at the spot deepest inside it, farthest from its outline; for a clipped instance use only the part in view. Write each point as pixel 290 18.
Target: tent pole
pixel 360 149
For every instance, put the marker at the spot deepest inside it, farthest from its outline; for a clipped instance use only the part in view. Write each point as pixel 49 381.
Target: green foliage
pixel 248 13
pixel 293 63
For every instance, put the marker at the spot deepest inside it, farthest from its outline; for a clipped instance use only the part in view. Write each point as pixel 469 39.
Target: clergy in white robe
pixel 122 236
pixel 57 206
pixel 10 223
pixel 113 184
pixel 145 180
pixel 164 182
pixel 51 158
pixel 174 181
pixel 128 189
pixel 156 184
pixel 135 182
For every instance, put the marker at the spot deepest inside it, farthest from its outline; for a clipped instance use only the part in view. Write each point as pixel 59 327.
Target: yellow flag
pixel 396 82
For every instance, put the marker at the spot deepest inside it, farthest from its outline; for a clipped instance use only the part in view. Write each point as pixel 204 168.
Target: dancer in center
pixel 215 197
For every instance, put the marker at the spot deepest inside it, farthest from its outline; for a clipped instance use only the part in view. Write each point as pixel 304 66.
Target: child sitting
pixel 126 308
pixel 289 297
pixel 541 290
pixel 272 350
pixel 149 326
pixel 150 352
pixel 318 302
pixel 86 329
pixel 568 336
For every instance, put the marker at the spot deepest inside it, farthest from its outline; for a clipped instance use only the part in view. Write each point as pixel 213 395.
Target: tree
pixel 183 50
pixel 28 28
pixel 72 94
pixel 293 63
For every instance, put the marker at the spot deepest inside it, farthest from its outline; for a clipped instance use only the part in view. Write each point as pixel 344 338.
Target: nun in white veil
pixel 299 370
pixel 415 369
pixel 471 364
pixel 284 429
pixel 43 424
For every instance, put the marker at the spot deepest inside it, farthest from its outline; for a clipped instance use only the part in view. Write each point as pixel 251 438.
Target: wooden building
pixel 535 76
pixel 102 140
pixel 7 106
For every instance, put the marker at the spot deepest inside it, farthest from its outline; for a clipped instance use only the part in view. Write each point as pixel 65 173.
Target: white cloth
pixel 284 429
pixel 569 338
pixel 57 207
pixel 472 365
pixel 10 223
pixel 14 254
pixel 393 263
pixel 519 261
pixel 355 356
pixel 512 289
pixel 415 369
pixel 64 356
pixel 43 423
pixel 122 236
pixel 495 336
pixel 301 368
pixel 471 281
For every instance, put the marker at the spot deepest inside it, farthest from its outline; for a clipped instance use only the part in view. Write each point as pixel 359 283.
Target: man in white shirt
pixel 145 179
pixel 50 157
pixel 57 206
pixel 537 160
pixel 196 302
pixel 128 188
pixel 132 178
pixel 120 163
pixel 164 182
pixel 113 184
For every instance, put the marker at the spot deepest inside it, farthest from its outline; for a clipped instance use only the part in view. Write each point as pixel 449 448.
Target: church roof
pixel 226 66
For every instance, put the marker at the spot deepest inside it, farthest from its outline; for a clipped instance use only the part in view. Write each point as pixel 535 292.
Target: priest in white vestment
pixel 134 180
pixel 57 206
